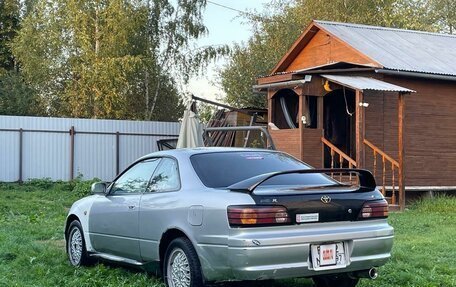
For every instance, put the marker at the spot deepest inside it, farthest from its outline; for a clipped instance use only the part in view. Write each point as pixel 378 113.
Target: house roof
pixel 392 49
pixel 365 83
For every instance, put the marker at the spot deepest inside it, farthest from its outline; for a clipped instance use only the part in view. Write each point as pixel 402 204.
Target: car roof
pixel 187 152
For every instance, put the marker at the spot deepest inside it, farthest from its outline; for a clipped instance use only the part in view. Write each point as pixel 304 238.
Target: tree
pixel 16 97
pixel 444 12
pixel 171 30
pixel 9 24
pixel 111 59
pixel 280 26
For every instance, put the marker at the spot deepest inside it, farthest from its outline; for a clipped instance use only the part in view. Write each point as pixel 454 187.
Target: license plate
pixel 328 256
pixel 307 217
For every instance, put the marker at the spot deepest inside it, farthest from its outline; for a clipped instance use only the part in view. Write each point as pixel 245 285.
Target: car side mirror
pixel 99 188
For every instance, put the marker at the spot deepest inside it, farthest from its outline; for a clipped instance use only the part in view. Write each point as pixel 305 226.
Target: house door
pixel 339 123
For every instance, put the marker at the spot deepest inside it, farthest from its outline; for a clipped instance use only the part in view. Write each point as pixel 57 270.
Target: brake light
pixel 252 215
pixel 374 209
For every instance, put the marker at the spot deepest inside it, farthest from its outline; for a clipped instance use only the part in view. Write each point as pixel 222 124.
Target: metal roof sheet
pixel 398 49
pixel 364 83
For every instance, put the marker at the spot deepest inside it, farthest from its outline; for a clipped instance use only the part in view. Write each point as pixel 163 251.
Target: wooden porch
pixel 308 142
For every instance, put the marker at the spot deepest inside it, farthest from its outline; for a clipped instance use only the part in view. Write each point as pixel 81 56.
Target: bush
pixel 42 183
pixel 82 187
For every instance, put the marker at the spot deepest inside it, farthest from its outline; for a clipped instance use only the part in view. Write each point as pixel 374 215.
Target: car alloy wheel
pixel 76 249
pixel 179 274
pixel 75 246
pixel 181 266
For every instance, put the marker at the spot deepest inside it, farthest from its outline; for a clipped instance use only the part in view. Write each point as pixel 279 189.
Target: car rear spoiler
pixel 366 179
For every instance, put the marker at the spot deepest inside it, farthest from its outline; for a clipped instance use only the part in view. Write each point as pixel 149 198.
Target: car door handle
pixel 131 207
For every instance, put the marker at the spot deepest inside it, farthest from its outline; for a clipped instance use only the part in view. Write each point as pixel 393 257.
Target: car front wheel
pixel 76 249
pixel 181 266
pixel 341 280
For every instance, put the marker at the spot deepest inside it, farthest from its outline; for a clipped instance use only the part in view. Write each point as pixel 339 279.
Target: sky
pixel 225 28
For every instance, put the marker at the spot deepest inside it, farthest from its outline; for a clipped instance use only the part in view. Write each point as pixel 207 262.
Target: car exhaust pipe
pixel 368 273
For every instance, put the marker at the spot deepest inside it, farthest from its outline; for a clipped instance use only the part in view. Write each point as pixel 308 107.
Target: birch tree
pixel 112 58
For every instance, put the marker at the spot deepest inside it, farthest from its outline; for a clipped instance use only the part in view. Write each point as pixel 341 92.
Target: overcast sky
pixel 225 27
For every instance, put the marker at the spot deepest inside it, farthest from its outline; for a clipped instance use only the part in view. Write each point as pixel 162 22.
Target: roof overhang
pixel 365 84
pixel 336 67
pixel 262 88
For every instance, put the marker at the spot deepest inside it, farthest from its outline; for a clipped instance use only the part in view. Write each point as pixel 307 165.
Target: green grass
pixel 32 246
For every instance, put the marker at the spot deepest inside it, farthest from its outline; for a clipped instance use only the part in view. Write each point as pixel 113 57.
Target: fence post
pixel 21 131
pixel 117 152
pixel 72 132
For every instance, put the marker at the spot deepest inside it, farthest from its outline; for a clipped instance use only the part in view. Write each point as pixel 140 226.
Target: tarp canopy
pixel 191 132
pixel 364 83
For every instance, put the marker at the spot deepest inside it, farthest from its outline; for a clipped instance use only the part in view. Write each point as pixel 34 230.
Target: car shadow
pixel 298 282
pixel 268 283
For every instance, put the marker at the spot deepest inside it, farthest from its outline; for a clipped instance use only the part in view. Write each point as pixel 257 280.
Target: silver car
pixel 222 214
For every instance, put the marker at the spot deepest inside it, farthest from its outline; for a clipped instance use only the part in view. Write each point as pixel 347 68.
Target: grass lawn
pixel 32 246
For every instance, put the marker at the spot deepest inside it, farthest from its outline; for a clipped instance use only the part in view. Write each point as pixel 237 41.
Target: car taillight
pixel 252 215
pixel 374 209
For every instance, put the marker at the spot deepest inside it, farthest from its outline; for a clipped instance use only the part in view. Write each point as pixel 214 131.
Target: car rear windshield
pixel 222 169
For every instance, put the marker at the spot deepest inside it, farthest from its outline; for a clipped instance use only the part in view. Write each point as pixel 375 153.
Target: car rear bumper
pixel 284 252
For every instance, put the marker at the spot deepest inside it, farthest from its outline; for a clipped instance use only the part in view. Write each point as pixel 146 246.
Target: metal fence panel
pixel 9 154
pixel 97 148
pixel 95 156
pixel 45 155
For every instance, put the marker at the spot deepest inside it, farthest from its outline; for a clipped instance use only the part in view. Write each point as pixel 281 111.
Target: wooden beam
pixel 359 129
pixel 401 118
pixel 320 112
pixel 278 78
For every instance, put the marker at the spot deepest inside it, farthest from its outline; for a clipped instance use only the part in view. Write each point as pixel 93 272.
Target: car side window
pixel 166 176
pixel 136 179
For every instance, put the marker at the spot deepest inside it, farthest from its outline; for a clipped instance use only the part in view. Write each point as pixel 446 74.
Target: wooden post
pixel 400 120
pixel 302 108
pixel 72 132
pixel 21 150
pixel 270 111
pixel 320 112
pixel 270 104
pixel 320 125
pixel 359 130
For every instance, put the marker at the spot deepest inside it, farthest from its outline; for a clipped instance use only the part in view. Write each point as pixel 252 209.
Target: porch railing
pixel 339 159
pixel 388 165
pixel 338 156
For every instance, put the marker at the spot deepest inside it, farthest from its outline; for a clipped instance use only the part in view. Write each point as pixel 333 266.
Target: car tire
pixel 181 265
pixel 76 248
pixel 341 280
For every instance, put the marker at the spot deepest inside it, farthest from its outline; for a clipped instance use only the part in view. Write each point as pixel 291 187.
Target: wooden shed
pixel 348 95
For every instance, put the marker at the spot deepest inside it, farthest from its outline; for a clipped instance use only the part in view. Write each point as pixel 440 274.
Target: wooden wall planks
pixel 325 49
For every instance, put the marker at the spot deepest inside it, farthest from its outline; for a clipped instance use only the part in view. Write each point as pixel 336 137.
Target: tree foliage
pixel 121 59
pixel 16 97
pixel 284 21
pixel 9 24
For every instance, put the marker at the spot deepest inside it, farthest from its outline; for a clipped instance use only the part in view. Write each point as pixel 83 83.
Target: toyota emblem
pixel 325 199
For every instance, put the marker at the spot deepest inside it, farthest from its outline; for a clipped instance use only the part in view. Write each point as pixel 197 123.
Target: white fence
pixel 63 148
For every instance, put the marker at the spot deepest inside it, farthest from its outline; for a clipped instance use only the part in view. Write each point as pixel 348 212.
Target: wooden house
pixel 348 95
